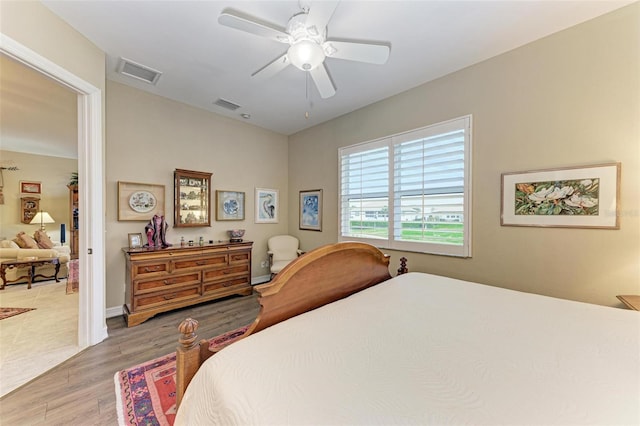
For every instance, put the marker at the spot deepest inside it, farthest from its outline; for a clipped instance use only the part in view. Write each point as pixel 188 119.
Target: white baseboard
pixel 261 279
pixel 114 311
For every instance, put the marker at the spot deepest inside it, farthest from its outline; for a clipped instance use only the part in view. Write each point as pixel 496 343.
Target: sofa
pixel 9 250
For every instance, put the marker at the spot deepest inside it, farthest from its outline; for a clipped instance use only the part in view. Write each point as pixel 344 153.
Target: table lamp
pixel 42 218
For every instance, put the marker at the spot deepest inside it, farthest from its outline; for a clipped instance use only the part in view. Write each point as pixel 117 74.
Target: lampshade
pixel 306 55
pixel 42 218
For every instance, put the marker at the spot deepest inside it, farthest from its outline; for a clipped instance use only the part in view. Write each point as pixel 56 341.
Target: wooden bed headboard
pixel 319 277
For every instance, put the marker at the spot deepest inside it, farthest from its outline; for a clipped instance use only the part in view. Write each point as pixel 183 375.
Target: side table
pixel 15 263
pixel 630 301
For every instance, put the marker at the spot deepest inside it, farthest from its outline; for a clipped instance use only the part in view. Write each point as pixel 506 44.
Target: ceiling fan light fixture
pixel 306 55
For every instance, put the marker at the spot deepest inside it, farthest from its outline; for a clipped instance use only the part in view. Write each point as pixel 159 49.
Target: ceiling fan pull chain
pixel 307 95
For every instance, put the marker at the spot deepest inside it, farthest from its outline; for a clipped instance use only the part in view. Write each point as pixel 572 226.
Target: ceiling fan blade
pixel 323 82
pixel 320 13
pixel 243 22
pixel 272 68
pixel 361 52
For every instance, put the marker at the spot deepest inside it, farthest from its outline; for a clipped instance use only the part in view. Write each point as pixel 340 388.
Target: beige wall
pixel 148 137
pixel 36 27
pixel 54 174
pixel 569 99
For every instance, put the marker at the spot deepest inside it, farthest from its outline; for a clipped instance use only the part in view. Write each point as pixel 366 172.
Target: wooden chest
pixel 160 280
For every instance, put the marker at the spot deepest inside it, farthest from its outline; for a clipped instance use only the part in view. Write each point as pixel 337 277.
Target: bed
pixel 413 349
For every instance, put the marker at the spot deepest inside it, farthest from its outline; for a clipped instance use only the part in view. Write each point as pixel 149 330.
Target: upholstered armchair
pixel 282 249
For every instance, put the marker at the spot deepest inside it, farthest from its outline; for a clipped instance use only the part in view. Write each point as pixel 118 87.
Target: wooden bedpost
pixel 403 266
pixel 187 356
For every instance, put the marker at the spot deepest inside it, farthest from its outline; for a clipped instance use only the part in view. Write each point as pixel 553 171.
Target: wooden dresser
pixel 160 280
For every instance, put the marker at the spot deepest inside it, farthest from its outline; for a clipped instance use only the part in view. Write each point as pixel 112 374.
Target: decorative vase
pixel 235 235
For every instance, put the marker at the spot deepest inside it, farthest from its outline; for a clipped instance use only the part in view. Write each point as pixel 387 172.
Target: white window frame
pixel 463 250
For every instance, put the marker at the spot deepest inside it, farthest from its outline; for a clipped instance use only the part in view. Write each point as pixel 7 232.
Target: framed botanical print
pixel 229 205
pixel 571 197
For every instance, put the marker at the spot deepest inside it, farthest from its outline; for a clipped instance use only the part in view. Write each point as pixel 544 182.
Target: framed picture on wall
pixel 572 197
pixel 140 201
pixel 29 187
pixel 229 205
pixel 266 205
pixel 311 210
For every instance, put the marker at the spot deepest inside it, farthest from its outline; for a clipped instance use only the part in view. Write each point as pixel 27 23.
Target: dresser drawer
pixel 148 268
pixel 200 262
pixel 167 282
pixel 240 257
pixel 225 273
pixel 153 300
pixel 214 286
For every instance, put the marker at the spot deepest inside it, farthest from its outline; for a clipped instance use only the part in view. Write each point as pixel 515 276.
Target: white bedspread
pixel 422 349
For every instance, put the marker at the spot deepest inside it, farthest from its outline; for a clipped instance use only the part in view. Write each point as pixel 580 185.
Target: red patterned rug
pixel 72 278
pixel 146 393
pixel 10 312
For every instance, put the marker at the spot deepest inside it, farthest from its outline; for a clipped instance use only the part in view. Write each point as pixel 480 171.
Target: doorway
pixel 92 327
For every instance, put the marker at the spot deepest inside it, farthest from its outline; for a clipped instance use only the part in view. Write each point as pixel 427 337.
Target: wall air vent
pixel 137 71
pixel 226 104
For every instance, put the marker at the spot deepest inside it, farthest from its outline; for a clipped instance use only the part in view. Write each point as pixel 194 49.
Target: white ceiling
pixel 202 60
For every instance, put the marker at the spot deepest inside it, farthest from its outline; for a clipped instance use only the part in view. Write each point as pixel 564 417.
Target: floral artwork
pixel 571 197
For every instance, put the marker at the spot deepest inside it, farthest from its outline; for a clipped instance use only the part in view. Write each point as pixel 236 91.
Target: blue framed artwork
pixel 229 205
pixel 311 210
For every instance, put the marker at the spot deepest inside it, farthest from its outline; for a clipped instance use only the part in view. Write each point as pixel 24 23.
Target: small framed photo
pixel 140 201
pixel 229 205
pixel 311 210
pixel 28 187
pixel 135 240
pixel 572 197
pixel 266 205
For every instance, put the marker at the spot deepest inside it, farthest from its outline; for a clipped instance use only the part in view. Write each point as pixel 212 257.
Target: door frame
pixel 92 325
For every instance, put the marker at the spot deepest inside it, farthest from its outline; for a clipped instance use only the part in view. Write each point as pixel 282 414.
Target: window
pixel 410 191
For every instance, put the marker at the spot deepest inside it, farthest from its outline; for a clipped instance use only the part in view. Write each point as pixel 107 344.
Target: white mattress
pixel 422 349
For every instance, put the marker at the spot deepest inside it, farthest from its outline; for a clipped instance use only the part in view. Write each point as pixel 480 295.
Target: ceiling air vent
pixel 226 104
pixel 137 71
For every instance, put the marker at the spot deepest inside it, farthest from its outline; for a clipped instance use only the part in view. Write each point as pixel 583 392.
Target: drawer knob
pixel 152 269
pixel 201 262
pixel 168 282
pixel 169 297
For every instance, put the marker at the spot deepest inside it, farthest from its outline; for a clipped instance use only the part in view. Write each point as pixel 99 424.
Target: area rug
pixel 72 278
pixel 146 393
pixel 10 312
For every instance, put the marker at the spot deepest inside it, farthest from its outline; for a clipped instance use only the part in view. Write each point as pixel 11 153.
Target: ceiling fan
pixel 306 34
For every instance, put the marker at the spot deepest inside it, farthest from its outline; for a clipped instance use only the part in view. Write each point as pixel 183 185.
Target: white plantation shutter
pixel 426 175
pixel 364 190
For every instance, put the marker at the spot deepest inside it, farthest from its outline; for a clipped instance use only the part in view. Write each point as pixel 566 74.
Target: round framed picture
pixel 142 201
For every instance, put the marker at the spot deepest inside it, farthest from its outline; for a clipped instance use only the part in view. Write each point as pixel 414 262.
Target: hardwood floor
pixel 81 390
